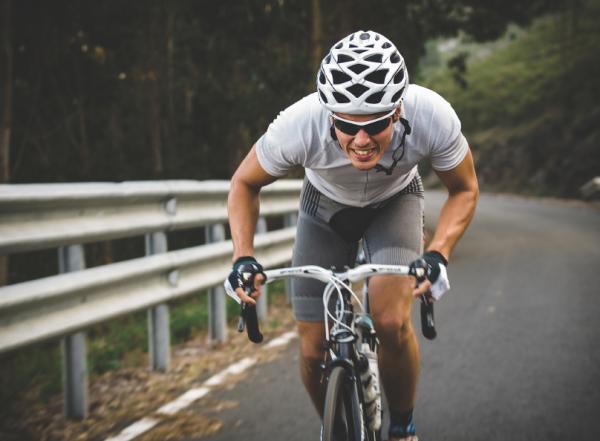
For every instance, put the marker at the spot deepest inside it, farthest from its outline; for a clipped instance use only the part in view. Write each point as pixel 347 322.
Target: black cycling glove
pixel 434 259
pixel 244 270
pixel 435 272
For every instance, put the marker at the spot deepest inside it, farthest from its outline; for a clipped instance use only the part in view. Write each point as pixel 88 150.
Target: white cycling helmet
pixel 362 74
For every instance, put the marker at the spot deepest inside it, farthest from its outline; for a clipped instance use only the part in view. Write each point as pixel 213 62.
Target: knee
pixel 391 310
pixel 393 327
pixel 312 344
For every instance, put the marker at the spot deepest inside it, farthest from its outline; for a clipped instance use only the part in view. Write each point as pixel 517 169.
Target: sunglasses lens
pixel 377 126
pixel 352 129
pixel 345 127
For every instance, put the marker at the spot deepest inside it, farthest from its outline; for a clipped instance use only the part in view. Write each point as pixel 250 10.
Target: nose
pixel 361 138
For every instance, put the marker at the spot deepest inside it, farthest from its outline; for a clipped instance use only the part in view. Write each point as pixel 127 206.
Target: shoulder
pixel 428 110
pixel 303 122
pixel 306 109
pixel 423 99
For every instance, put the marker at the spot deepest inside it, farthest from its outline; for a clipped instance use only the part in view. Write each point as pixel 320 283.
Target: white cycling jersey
pixel 301 136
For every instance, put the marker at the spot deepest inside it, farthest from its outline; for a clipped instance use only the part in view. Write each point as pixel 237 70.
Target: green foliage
pixel 154 89
pixel 529 108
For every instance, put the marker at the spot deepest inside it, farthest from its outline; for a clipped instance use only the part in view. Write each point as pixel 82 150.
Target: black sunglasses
pixel 372 127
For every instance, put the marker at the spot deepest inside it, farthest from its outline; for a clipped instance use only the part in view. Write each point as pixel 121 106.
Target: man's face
pixel 363 149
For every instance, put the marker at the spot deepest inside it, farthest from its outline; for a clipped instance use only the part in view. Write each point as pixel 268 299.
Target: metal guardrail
pixel 57 305
pixel 42 216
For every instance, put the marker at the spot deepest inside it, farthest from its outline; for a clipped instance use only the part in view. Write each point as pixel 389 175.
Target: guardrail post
pixel 74 351
pixel 262 303
pixel 289 220
pixel 159 339
pixel 217 309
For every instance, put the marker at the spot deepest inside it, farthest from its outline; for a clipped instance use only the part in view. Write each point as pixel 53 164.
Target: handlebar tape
pixel 427 320
pixel 251 319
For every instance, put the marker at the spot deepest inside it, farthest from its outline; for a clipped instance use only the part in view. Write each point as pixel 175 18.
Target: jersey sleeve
pixel 447 143
pixel 285 143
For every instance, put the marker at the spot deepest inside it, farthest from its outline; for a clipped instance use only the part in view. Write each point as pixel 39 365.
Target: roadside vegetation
pixel 528 102
pixel 34 373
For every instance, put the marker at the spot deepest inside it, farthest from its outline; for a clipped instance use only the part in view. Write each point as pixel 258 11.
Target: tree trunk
pixel 6 64
pixel 153 75
pixel 316 37
pixel 6 75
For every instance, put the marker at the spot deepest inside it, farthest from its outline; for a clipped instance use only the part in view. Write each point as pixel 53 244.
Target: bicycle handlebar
pixel 249 318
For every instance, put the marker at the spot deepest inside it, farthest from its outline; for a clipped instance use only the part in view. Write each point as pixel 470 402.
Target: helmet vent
pixel 399 76
pixel 397 95
pixel 386 45
pixel 395 58
pixel 375 98
pixel 323 98
pixel 358 68
pixel 360 51
pixel 364 36
pixel 377 77
pixel 327 58
pixel 339 45
pixel 321 77
pixel 377 58
pixel 342 58
pixel 357 90
pixel 339 76
pixel 340 98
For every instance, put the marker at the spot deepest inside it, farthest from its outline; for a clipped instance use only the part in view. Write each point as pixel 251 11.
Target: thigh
pixel 395 236
pixel 316 244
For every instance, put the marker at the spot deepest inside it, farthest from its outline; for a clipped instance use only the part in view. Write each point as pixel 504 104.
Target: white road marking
pixel 283 339
pixel 136 429
pixel 183 401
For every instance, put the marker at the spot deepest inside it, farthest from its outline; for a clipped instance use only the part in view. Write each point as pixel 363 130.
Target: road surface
pixel 518 350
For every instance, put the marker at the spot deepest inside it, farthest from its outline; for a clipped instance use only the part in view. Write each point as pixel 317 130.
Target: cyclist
pixel 359 138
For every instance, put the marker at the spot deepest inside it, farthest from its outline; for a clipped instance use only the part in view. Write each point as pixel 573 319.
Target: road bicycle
pixel 352 410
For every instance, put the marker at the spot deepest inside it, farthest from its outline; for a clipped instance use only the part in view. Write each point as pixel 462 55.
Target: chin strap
pixel 398 153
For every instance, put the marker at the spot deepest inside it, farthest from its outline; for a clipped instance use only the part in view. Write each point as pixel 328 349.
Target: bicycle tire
pixel 342 415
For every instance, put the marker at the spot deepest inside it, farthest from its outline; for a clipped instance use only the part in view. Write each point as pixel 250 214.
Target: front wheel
pixel 342 415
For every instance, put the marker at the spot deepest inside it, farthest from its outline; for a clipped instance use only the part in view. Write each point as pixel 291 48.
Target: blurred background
pixel 112 90
pixel 154 89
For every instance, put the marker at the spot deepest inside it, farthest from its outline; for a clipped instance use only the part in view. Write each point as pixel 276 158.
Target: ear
pixel 396 115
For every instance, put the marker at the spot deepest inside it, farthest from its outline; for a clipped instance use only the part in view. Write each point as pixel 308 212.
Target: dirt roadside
pixel 120 398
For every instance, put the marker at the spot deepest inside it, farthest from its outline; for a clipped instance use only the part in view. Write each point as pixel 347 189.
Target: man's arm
pixel 243 208
pixel 243 203
pixel 457 212
pixel 459 208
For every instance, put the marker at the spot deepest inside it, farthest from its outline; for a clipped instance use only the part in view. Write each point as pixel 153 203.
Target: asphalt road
pixel 518 350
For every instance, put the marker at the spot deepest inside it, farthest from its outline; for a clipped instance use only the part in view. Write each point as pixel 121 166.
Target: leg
pixel 312 355
pixel 395 237
pixel 390 302
pixel 316 244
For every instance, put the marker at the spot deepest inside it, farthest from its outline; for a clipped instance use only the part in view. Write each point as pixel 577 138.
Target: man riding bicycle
pixel 359 139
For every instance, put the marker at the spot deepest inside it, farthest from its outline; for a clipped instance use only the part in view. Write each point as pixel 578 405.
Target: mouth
pixel 363 154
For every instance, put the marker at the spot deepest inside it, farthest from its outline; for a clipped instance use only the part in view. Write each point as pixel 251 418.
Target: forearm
pixel 243 208
pixel 455 216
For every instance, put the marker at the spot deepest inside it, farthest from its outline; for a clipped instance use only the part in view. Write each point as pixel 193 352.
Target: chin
pixel 364 165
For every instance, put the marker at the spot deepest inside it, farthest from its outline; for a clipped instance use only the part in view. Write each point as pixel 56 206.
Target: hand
pixel 247 275
pixel 435 276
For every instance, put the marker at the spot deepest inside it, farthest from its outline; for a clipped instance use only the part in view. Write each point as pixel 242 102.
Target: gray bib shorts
pixel 328 234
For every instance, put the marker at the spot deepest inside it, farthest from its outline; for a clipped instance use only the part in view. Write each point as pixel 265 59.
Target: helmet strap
pixel 398 153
